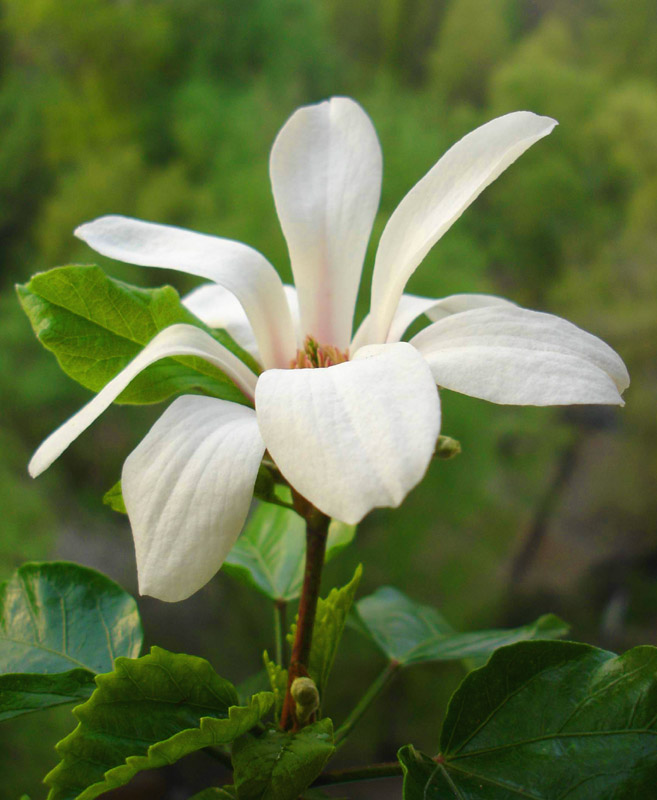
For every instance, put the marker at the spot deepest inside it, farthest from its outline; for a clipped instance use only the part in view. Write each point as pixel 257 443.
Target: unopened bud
pixel 306 699
pixel 446 447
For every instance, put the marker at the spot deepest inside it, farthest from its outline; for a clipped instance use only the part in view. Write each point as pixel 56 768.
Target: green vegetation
pixel 166 111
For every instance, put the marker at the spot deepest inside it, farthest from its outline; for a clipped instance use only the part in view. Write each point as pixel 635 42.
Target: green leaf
pixel 278 680
pixel 58 616
pixel 269 555
pixel 410 633
pixel 546 720
pixel 425 779
pixel 329 624
pixel 148 713
pixel 62 623
pixel 114 499
pixel 258 682
pixel 20 694
pixel 279 765
pixel 95 325
pixel 216 793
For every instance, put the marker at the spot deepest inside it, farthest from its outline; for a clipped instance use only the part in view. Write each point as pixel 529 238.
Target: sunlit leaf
pixel 546 720
pixel 95 325
pixel 279 765
pixel 277 680
pixel 60 624
pixel 410 633
pixel 269 555
pixel 148 713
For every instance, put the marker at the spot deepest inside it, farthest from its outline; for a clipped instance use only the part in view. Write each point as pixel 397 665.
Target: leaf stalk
pixel 372 772
pixel 375 689
pixel 280 626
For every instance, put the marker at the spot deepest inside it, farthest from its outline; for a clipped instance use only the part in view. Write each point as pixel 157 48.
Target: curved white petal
pixel 439 199
pixel 237 267
pixel 354 436
pixel 293 303
pixel 325 169
pixel 177 340
pixel 521 357
pixel 412 306
pixel 187 489
pixel 219 308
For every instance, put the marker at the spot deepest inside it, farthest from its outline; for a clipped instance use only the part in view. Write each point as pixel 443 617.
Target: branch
pixel 317 525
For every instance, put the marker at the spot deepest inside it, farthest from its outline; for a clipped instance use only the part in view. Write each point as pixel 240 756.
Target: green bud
pixel 306 698
pixel 446 447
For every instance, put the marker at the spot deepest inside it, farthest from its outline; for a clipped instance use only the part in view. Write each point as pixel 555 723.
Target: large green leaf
pixel 546 720
pixel 279 765
pixel 148 713
pixel 330 620
pixel 269 555
pixel 95 325
pixel 62 624
pixel 410 633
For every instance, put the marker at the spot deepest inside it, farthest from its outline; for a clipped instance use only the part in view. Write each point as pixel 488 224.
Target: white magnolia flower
pixel 360 432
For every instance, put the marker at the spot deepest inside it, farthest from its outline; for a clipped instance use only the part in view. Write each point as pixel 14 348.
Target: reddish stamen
pixel 316 355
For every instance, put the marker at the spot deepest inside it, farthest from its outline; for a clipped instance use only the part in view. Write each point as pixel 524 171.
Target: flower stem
pixel 391 769
pixel 280 607
pixel 379 684
pixel 317 525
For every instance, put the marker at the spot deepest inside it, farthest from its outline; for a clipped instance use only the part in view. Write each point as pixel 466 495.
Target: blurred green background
pixel 166 110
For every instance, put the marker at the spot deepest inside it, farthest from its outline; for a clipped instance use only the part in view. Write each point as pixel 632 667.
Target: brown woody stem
pixel 317 525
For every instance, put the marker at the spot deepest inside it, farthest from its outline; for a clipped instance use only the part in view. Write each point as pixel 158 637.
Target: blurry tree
pixel 166 110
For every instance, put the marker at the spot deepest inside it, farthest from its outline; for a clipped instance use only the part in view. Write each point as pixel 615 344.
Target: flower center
pixel 316 355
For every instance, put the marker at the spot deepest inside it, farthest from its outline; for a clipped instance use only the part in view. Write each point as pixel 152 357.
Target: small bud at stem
pixel 446 447
pixel 306 698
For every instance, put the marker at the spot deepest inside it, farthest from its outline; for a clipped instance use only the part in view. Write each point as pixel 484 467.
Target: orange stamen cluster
pixel 316 355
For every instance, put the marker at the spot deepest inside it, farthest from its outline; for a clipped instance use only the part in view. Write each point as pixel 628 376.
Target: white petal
pixel 439 199
pixel 187 489
pixel 355 436
pixel 521 357
pixel 219 308
pixel 412 306
pixel 240 269
pixel 325 171
pixel 293 302
pixel 177 340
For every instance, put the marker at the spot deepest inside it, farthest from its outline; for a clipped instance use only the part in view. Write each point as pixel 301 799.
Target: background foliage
pixel 166 111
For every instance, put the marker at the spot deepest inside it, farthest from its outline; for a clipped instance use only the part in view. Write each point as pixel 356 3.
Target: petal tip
pixel 88 228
